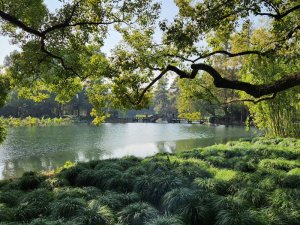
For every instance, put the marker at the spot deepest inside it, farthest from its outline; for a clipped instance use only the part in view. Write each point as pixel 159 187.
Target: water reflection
pixel 36 149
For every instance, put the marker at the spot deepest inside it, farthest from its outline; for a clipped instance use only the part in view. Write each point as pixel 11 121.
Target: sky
pixel 168 11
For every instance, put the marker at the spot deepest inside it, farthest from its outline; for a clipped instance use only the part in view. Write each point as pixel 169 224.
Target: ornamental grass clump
pixel 67 208
pixel 137 214
pixel 34 204
pixel 166 220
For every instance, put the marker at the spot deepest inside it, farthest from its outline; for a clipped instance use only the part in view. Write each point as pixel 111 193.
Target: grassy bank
pixel 33 121
pixel 240 183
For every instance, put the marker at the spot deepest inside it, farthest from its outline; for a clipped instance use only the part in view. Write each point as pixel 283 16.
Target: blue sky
pixel 168 11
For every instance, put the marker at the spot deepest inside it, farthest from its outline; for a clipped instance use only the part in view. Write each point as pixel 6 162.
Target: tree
pixel 180 51
pixel 161 100
pixel 57 36
pixel 59 49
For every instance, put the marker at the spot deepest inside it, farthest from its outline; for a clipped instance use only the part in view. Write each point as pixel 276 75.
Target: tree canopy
pixel 60 51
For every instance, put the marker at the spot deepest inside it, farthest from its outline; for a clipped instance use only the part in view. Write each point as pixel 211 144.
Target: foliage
pixel 33 205
pixel 184 188
pixel 67 207
pixel 165 220
pixel 32 121
pixel 60 53
pixel 29 181
pixel 137 213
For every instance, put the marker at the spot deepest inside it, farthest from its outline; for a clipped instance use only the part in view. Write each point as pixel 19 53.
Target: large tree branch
pixel 60 59
pixel 139 100
pixel 229 54
pixel 279 16
pixel 255 90
pixel 43 34
pixel 16 22
pixel 255 101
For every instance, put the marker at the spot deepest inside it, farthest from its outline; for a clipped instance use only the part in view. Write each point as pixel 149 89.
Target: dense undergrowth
pixel 240 183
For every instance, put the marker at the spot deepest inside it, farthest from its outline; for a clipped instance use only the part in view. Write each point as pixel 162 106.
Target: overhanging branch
pixel 260 91
pixel 279 16
pixel 252 100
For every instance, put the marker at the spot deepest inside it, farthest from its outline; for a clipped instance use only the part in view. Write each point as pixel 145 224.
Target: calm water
pixel 45 148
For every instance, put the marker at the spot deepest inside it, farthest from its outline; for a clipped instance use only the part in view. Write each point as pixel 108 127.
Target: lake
pixel 46 148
